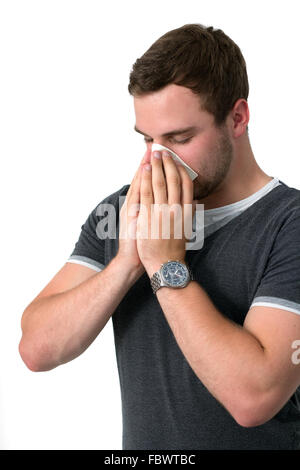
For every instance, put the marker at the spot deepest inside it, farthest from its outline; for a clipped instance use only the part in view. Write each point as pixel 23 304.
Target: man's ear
pixel 239 118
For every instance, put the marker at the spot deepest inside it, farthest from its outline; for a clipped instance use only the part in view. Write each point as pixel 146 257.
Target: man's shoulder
pixel 281 202
pixel 290 190
pixel 114 199
pixel 279 212
pixel 288 199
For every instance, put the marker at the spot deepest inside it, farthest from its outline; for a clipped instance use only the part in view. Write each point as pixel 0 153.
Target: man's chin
pixel 200 191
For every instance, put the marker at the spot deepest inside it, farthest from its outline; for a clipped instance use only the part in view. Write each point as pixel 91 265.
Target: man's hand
pixel 128 222
pixel 166 212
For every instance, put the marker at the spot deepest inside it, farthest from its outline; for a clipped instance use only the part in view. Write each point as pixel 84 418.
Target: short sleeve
pixel 89 249
pixel 280 283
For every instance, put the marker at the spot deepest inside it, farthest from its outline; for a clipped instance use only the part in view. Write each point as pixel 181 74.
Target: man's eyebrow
pixel 174 132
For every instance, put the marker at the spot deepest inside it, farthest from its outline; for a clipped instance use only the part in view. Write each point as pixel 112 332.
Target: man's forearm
pixel 58 328
pixel 227 358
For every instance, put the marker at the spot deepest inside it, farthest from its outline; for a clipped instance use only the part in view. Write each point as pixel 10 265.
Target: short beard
pixel 205 185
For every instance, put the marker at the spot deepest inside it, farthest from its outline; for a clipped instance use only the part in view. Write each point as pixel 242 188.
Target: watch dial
pixel 174 273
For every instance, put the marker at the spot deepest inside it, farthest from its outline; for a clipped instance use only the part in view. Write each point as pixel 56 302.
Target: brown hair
pixel 201 58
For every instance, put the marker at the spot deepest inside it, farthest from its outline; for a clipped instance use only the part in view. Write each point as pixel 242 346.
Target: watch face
pixel 175 273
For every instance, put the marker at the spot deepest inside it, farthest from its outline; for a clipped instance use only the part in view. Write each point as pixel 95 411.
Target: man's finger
pixel 136 179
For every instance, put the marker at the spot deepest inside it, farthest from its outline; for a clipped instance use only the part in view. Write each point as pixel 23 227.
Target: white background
pixel 67 141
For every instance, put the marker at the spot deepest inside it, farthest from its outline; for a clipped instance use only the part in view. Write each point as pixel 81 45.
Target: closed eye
pixel 171 139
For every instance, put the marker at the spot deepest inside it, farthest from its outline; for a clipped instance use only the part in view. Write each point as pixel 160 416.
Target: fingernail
pixel 166 154
pixel 157 154
pixel 147 167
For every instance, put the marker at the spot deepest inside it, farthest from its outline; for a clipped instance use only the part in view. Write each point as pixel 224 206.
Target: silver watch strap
pixel 155 282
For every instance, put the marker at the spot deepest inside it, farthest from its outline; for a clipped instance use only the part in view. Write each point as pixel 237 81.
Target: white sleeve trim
pixel 269 304
pixel 84 263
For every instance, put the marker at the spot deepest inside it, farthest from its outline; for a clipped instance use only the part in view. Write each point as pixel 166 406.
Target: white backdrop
pixel 64 68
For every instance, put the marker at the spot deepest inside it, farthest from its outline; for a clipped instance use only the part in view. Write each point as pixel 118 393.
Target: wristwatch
pixel 173 274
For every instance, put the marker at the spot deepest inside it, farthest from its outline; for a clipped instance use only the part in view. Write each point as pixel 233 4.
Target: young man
pixel 213 364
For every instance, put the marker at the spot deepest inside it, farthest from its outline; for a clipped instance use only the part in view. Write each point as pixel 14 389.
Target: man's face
pixel 205 148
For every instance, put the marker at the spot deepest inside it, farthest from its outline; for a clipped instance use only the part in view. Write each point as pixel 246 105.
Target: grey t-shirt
pixel 251 258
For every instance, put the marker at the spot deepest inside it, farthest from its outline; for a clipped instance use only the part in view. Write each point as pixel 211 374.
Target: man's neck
pixel 244 178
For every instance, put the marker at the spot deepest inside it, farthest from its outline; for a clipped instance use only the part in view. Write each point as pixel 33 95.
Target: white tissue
pixel 191 172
